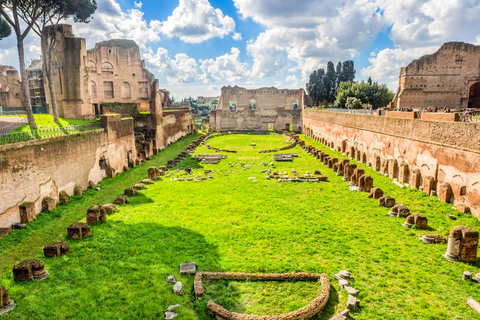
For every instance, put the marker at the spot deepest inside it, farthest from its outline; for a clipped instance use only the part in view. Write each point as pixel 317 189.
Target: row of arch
pixel 107 67
pixel 253 105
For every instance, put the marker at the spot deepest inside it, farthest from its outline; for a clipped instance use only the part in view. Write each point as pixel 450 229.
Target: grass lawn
pixel 232 224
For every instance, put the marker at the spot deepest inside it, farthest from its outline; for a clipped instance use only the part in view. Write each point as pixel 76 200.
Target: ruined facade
pixel 10 88
pixel 206 100
pixel 448 78
pixel 258 110
pixel 110 78
pixel 118 74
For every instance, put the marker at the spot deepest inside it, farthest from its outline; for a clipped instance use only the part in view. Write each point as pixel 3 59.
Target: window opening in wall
pixel 93 86
pixel 92 66
pixel 233 106
pixel 270 127
pixel 126 93
pixel 143 89
pixel 108 89
pixel 107 68
pixel 253 105
pixel 295 104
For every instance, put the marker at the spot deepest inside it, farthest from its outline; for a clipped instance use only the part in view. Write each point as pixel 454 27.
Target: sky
pixel 195 47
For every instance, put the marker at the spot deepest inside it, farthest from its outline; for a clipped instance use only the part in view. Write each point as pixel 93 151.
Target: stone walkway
pixel 8 124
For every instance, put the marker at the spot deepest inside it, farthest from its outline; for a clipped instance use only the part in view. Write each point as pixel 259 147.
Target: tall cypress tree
pixel 331 83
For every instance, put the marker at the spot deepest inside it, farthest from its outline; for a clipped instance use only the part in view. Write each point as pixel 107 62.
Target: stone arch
pixel 474 95
pixel 377 164
pixel 92 66
pixel 352 152
pixel 253 104
pixel 126 91
pixel 107 68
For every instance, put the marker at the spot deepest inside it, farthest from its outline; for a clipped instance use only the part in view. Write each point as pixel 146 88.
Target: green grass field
pixel 232 224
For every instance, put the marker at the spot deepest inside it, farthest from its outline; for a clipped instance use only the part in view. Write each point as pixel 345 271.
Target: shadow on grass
pixel 118 268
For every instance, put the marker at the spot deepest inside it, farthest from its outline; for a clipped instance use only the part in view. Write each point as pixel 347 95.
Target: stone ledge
pixel 305 313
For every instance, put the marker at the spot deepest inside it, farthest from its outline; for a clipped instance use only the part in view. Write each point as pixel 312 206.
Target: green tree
pixel 21 15
pixel 330 81
pixel 348 71
pixel 373 94
pixel 316 86
pixel 369 81
pixel 338 74
pixel 5 29
pixel 47 27
pixel 353 103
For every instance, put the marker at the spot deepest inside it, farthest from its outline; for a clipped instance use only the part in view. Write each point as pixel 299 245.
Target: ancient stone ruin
pixel 56 249
pixel 258 110
pixel 305 313
pixel 6 304
pixel 96 214
pixel 30 269
pixel 462 244
pixel 78 230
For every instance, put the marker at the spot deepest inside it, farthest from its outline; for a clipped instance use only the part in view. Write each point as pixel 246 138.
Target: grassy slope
pixel 233 224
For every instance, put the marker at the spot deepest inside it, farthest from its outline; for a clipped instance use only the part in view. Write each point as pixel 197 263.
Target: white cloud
pixel 110 22
pixel 195 21
pixel 237 36
pixel 138 4
pixel 302 32
pixel 182 69
pixel 227 67
pixel 386 64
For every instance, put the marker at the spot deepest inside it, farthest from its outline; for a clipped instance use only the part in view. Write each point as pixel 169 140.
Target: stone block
pixel 147 181
pixel 409 222
pixel 376 193
pixel 316 172
pixel 353 303
pixel 93 214
pixel 463 208
pixel 77 190
pixel 121 200
pixel 462 244
pixel 357 174
pixel 78 230
pixel 110 208
pixel 56 249
pixel 445 192
pixel 386 201
pixel 177 288
pixel 4 232
pixel 131 192
pixel 48 204
pixel 4 297
pixel 28 269
pixel 152 173
pixel 139 186
pixel 428 185
pixel 188 268
pixel 365 183
pixel 27 212
pixel 415 178
pixel 403 173
pixel 63 197
pixel 420 220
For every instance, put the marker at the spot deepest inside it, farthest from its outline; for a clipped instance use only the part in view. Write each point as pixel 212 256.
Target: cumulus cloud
pixel 302 32
pixel 138 4
pixel 237 36
pixel 195 21
pixel 110 22
pixel 228 67
pixel 182 69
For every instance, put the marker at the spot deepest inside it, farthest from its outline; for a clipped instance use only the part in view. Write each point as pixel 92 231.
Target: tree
pixel 338 74
pixel 353 103
pixel 5 29
pixel 373 94
pixel 348 71
pixel 316 86
pixel 369 81
pixel 47 27
pixel 330 83
pixel 13 11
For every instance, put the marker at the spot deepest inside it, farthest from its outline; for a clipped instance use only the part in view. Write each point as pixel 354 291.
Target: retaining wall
pixel 407 149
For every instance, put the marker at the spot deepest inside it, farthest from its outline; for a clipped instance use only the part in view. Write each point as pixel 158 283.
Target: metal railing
pixel 357 111
pixel 46 133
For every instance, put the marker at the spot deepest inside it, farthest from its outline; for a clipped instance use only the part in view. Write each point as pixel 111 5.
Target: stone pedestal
pixel 445 192
pixel 78 230
pixel 415 179
pixel 376 193
pixel 462 244
pixel 365 183
pixel 428 185
pixel 48 204
pixel 386 201
pixel 27 212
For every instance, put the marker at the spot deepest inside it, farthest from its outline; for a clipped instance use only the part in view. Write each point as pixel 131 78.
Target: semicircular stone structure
pixel 305 313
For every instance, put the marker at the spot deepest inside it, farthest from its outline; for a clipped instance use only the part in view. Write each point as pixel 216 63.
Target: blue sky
pixel 195 47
